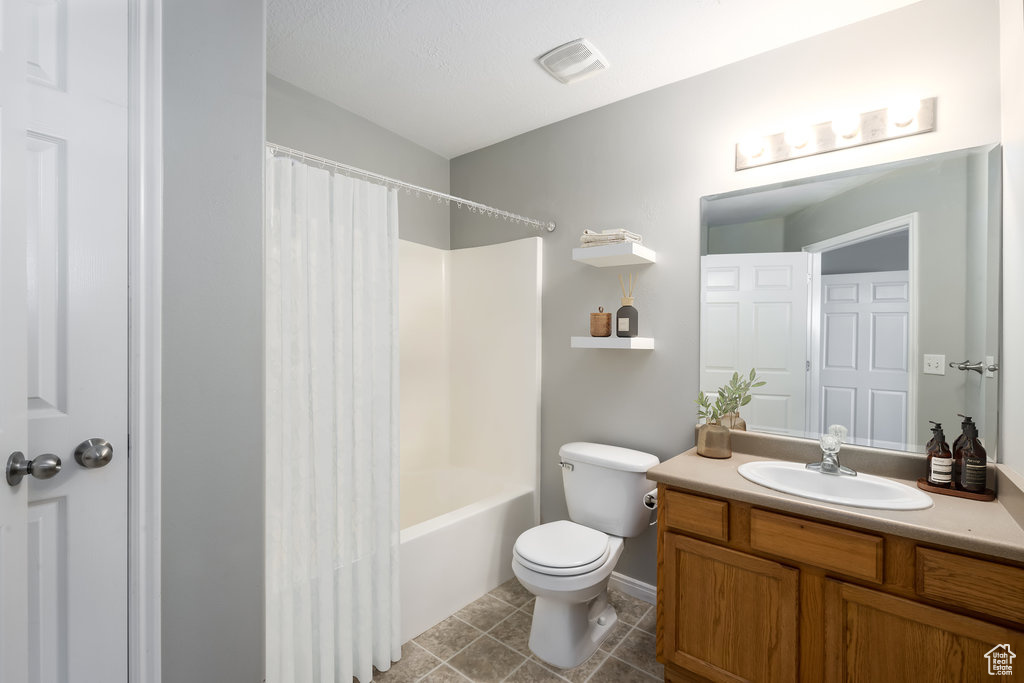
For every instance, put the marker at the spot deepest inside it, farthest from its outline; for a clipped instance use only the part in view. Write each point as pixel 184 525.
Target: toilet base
pixel 565 634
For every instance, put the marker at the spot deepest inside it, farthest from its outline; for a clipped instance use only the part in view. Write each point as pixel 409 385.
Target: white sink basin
pixel 863 491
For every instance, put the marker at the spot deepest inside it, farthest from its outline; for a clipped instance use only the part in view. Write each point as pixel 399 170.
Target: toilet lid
pixel 562 545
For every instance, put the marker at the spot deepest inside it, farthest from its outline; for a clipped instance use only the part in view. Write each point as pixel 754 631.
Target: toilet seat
pixel 562 548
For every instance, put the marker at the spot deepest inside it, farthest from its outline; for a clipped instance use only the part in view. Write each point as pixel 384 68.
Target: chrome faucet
pixel 831 442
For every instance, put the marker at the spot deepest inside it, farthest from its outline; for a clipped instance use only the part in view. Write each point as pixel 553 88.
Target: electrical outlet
pixel 934 364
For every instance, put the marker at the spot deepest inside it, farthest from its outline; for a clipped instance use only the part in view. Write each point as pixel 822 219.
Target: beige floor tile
pixel 486 660
pixel 649 622
pixel 532 672
pixel 444 674
pixel 448 637
pixel 618 632
pixel 513 593
pixel 629 609
pixel 637 648
pixel 415 662
pixel 514 631
pixel 580 673
pixel 485 612
pixel 616 671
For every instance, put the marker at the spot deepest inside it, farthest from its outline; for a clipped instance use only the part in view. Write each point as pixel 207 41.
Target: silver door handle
pixel 41 467
pixel 93 453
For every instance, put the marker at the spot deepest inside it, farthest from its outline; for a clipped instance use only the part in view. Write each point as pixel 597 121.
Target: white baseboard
pixel 630 586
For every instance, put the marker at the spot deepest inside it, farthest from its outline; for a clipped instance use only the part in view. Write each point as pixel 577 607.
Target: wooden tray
pixel 923 484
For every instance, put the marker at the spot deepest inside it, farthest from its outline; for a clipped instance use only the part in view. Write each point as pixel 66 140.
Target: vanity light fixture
pixel 902 119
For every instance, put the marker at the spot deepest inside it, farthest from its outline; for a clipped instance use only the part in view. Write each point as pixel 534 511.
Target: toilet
pixel 567 563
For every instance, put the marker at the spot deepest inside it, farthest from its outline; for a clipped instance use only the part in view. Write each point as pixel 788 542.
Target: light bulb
pixel 846 125
pixel 797 137
pixel 752 147
pixel 903 112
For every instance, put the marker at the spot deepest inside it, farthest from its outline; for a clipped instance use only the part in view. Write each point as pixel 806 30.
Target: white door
pixel 13 428
pixel 754 315
pixel 75 201
pixel 864 379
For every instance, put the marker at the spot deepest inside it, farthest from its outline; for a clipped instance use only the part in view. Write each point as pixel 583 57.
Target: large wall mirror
pixel 852 293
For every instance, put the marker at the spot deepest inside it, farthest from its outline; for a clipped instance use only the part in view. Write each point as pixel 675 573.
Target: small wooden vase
pixel 734 421
pixel 600 323
pixel 714 441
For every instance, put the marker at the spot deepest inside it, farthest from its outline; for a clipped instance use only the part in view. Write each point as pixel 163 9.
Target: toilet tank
pixel 605 485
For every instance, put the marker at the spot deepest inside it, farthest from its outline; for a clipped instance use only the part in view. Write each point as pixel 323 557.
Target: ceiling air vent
pixel 573 61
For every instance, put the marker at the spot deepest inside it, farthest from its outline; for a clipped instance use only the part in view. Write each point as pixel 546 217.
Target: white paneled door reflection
pixel 754 315
pixel 864 379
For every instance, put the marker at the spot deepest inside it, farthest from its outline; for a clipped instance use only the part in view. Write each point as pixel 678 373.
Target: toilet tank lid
pixel 612 457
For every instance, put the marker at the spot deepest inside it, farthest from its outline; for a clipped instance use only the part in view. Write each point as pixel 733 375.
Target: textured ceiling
pixel 458 75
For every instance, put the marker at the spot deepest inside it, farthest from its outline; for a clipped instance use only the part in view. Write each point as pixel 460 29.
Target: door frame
pixel 145 275
pixel 909 222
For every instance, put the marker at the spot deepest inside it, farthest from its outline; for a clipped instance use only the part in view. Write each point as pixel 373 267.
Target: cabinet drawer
pixel 697 515
pixel 848 552
pixel 968 582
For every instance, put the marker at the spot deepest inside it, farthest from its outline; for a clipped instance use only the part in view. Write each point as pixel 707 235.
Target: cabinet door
pixel 871 637
pixel 728 616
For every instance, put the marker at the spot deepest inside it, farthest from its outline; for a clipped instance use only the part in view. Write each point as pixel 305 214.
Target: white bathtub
pixel 458 544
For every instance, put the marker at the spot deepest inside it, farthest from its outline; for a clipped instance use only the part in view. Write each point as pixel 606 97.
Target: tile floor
pixel 486 642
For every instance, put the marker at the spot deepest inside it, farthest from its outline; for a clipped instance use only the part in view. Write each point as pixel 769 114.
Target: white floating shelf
pixel 612 342
pixel 608 255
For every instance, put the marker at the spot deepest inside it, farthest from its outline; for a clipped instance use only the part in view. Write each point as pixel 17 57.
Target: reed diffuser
pixel 626 317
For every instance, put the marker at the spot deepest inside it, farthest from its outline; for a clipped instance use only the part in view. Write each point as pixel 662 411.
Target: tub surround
pixel 990 528
pixel 469 338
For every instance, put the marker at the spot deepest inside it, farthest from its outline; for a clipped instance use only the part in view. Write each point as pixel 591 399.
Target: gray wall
pixel 767 235
pixel 212 462
pixel 889 252
pixel 645 162
pixel 300 120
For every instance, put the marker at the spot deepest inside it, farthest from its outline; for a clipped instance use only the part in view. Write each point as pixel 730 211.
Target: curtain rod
pixel 474 207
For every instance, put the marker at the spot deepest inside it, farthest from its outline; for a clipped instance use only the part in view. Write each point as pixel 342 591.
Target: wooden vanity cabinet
pixel 748 594
pixel 722 597
pixel 874 636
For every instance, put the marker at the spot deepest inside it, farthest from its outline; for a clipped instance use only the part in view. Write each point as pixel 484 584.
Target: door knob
pixel 41 467
pixel 93 453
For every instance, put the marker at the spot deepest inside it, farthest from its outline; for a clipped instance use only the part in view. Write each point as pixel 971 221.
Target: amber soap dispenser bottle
pixel 940 459
pixel 958 445
pixel 973 462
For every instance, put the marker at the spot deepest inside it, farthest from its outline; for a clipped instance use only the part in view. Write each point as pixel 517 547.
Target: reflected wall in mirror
pixel 837 288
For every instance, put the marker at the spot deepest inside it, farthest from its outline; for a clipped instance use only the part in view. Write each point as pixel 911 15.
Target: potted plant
pixel 713 439
pixel 737 393
pixel 721 415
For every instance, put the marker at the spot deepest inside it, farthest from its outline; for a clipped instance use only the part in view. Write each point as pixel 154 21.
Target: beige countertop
pixel 979 526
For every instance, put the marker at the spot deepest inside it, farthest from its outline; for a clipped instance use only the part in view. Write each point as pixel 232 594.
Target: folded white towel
pixel 598 241
pixel 593 241
pixel 619 232
pixel 592 238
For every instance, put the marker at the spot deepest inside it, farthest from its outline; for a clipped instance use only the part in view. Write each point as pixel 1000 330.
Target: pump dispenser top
pixel 967 422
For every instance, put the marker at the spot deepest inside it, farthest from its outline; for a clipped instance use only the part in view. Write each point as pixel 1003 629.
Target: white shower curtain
pixel 331 425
